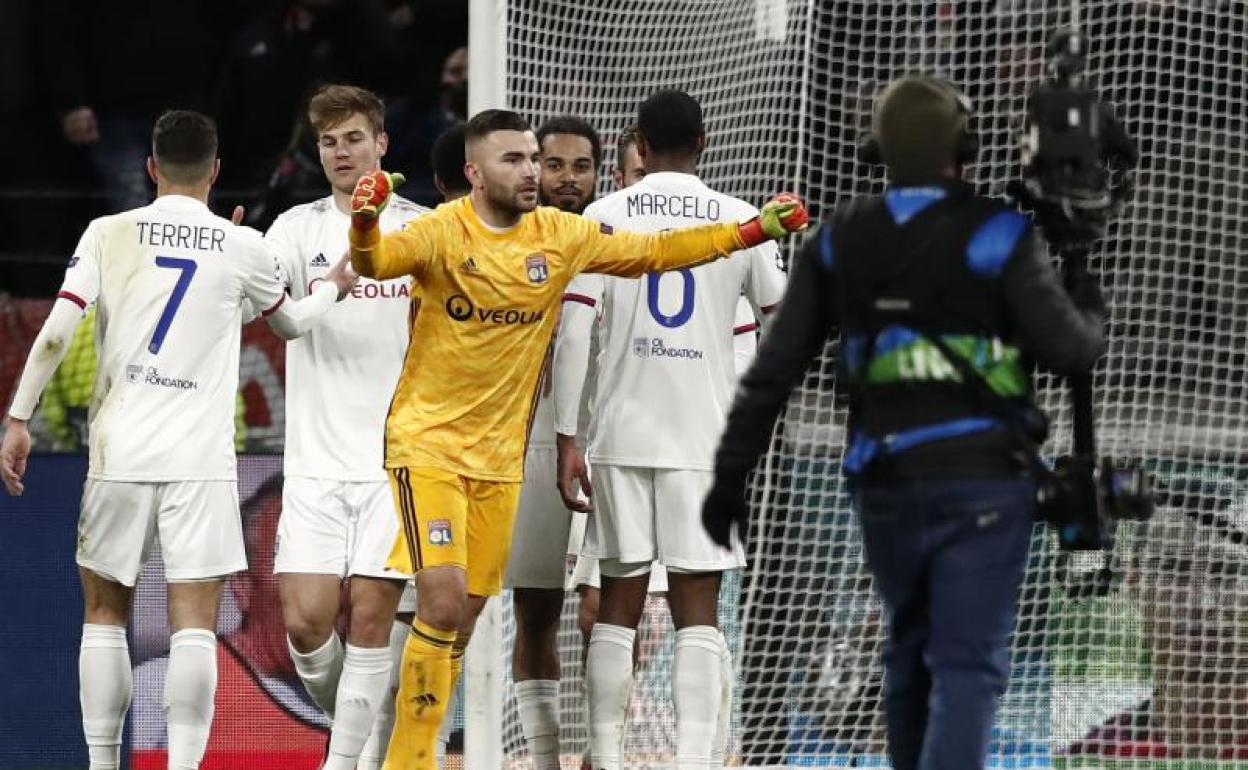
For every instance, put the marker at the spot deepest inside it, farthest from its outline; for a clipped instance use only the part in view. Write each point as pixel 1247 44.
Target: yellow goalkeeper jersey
pixel 489 301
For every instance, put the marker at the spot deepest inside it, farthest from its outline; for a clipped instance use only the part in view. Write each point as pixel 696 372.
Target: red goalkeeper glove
pixel 779 216
pixel 370 197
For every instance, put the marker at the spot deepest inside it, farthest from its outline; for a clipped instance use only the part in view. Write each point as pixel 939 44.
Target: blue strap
pixel 827 253
pixel 864 449
pixel 992 244
pixel 905 202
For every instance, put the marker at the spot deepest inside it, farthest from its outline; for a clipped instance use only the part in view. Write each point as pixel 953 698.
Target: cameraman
pixel 941 486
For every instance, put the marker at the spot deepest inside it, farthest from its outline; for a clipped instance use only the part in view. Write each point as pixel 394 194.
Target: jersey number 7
pixel 187 268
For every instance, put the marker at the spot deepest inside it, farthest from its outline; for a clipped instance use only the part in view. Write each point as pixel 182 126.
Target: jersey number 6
pixel 683 315
pixel 187 266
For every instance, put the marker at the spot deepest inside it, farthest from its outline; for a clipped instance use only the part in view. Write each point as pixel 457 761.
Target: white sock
pixel 537 700
pixel 374 751
pixel 190 686
pixel 320 670
pixel 723 726
pixel 364 685
pixel 609 681
pixel 695 694
pixel 104 688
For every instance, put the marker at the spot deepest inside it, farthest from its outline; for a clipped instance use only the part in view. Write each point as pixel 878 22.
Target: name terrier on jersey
pixel 201 238
pixel 134 373
pixel 653 347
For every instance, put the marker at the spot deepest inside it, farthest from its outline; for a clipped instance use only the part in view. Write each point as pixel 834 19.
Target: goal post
pixel 1147 655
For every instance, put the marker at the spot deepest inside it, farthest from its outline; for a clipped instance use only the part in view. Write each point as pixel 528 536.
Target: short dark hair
pixel 571 124
pixel 671 122
pixel 448 158
pixel 184 145
pixel 626 139
pixel 334 103
pixel 487 122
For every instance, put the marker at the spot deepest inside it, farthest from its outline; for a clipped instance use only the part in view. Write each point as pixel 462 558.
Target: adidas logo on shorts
pixel 319 261
pixel 469 266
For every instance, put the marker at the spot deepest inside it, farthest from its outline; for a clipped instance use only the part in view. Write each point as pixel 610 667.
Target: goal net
pixel 1144 658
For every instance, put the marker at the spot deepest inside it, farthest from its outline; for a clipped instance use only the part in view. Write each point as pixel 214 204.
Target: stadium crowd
pixel 80 104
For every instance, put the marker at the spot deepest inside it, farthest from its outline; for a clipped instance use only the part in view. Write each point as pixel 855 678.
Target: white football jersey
pixel 169 281
pixel 666 362
pixel 341 374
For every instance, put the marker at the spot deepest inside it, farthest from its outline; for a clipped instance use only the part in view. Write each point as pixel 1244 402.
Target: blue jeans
pixel 948 558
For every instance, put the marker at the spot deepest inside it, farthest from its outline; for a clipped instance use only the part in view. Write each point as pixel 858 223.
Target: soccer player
pixel 666 379
pixel 169 281
pixel 447 158
pixel 571 153
pixel 491 269
pixel 338 518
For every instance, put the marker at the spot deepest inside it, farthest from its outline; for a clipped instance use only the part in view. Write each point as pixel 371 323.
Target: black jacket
pixel 1020 300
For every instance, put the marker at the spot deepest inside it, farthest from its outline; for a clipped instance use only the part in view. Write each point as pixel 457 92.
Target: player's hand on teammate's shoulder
pixel 14 451
pixel 343 276
pixel 371 195
pixel 783 214
pixel 571 473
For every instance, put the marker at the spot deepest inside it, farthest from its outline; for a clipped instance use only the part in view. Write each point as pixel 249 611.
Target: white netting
pixel 1157 665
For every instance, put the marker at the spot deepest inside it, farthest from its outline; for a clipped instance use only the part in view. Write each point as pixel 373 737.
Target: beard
pixel 507 201
pixel 569 199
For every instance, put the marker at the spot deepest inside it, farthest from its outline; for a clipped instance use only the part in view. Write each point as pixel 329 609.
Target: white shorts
pixel 336 528
pixel 197 522
pixel 542 547
pixel 587 573
pixel 407 602
pixel 644 514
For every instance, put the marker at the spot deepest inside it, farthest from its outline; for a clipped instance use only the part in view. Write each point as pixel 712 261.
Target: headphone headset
pixel 965 150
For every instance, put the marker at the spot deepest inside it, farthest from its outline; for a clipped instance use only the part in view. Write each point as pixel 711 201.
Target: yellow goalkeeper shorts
pixel 449 520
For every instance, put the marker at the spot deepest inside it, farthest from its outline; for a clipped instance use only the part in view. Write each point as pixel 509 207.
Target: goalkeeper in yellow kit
pixel 490 269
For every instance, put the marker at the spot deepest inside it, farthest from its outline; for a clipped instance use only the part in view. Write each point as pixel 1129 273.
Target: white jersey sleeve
pixel 668 362
pixel 78 291
pixel 82 275
pixel 172 279
pixel 572 351
pixel 341 374
pixel 744 336
pixel 765 285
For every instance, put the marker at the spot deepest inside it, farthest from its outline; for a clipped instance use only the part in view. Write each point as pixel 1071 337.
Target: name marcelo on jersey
pixel 684 206
pixel 365 289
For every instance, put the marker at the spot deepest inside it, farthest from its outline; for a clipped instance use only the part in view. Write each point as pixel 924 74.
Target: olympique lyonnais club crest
pixel 440 532
pixel 535 265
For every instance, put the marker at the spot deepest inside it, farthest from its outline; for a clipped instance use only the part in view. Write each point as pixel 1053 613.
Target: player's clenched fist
pixel 370 197
pixel 780 216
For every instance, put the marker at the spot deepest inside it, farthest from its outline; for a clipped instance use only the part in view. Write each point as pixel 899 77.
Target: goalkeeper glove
pixel 725 507
pixel 370 197
pixel 779 216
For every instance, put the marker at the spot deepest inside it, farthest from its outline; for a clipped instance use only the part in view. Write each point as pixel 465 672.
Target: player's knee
pixel 587 615
pixel 306 632
pixel 444 610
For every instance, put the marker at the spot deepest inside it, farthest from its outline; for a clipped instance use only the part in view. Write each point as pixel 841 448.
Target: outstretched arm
pixel 634 254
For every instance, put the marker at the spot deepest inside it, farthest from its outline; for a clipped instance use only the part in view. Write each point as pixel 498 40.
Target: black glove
pixel 725 507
